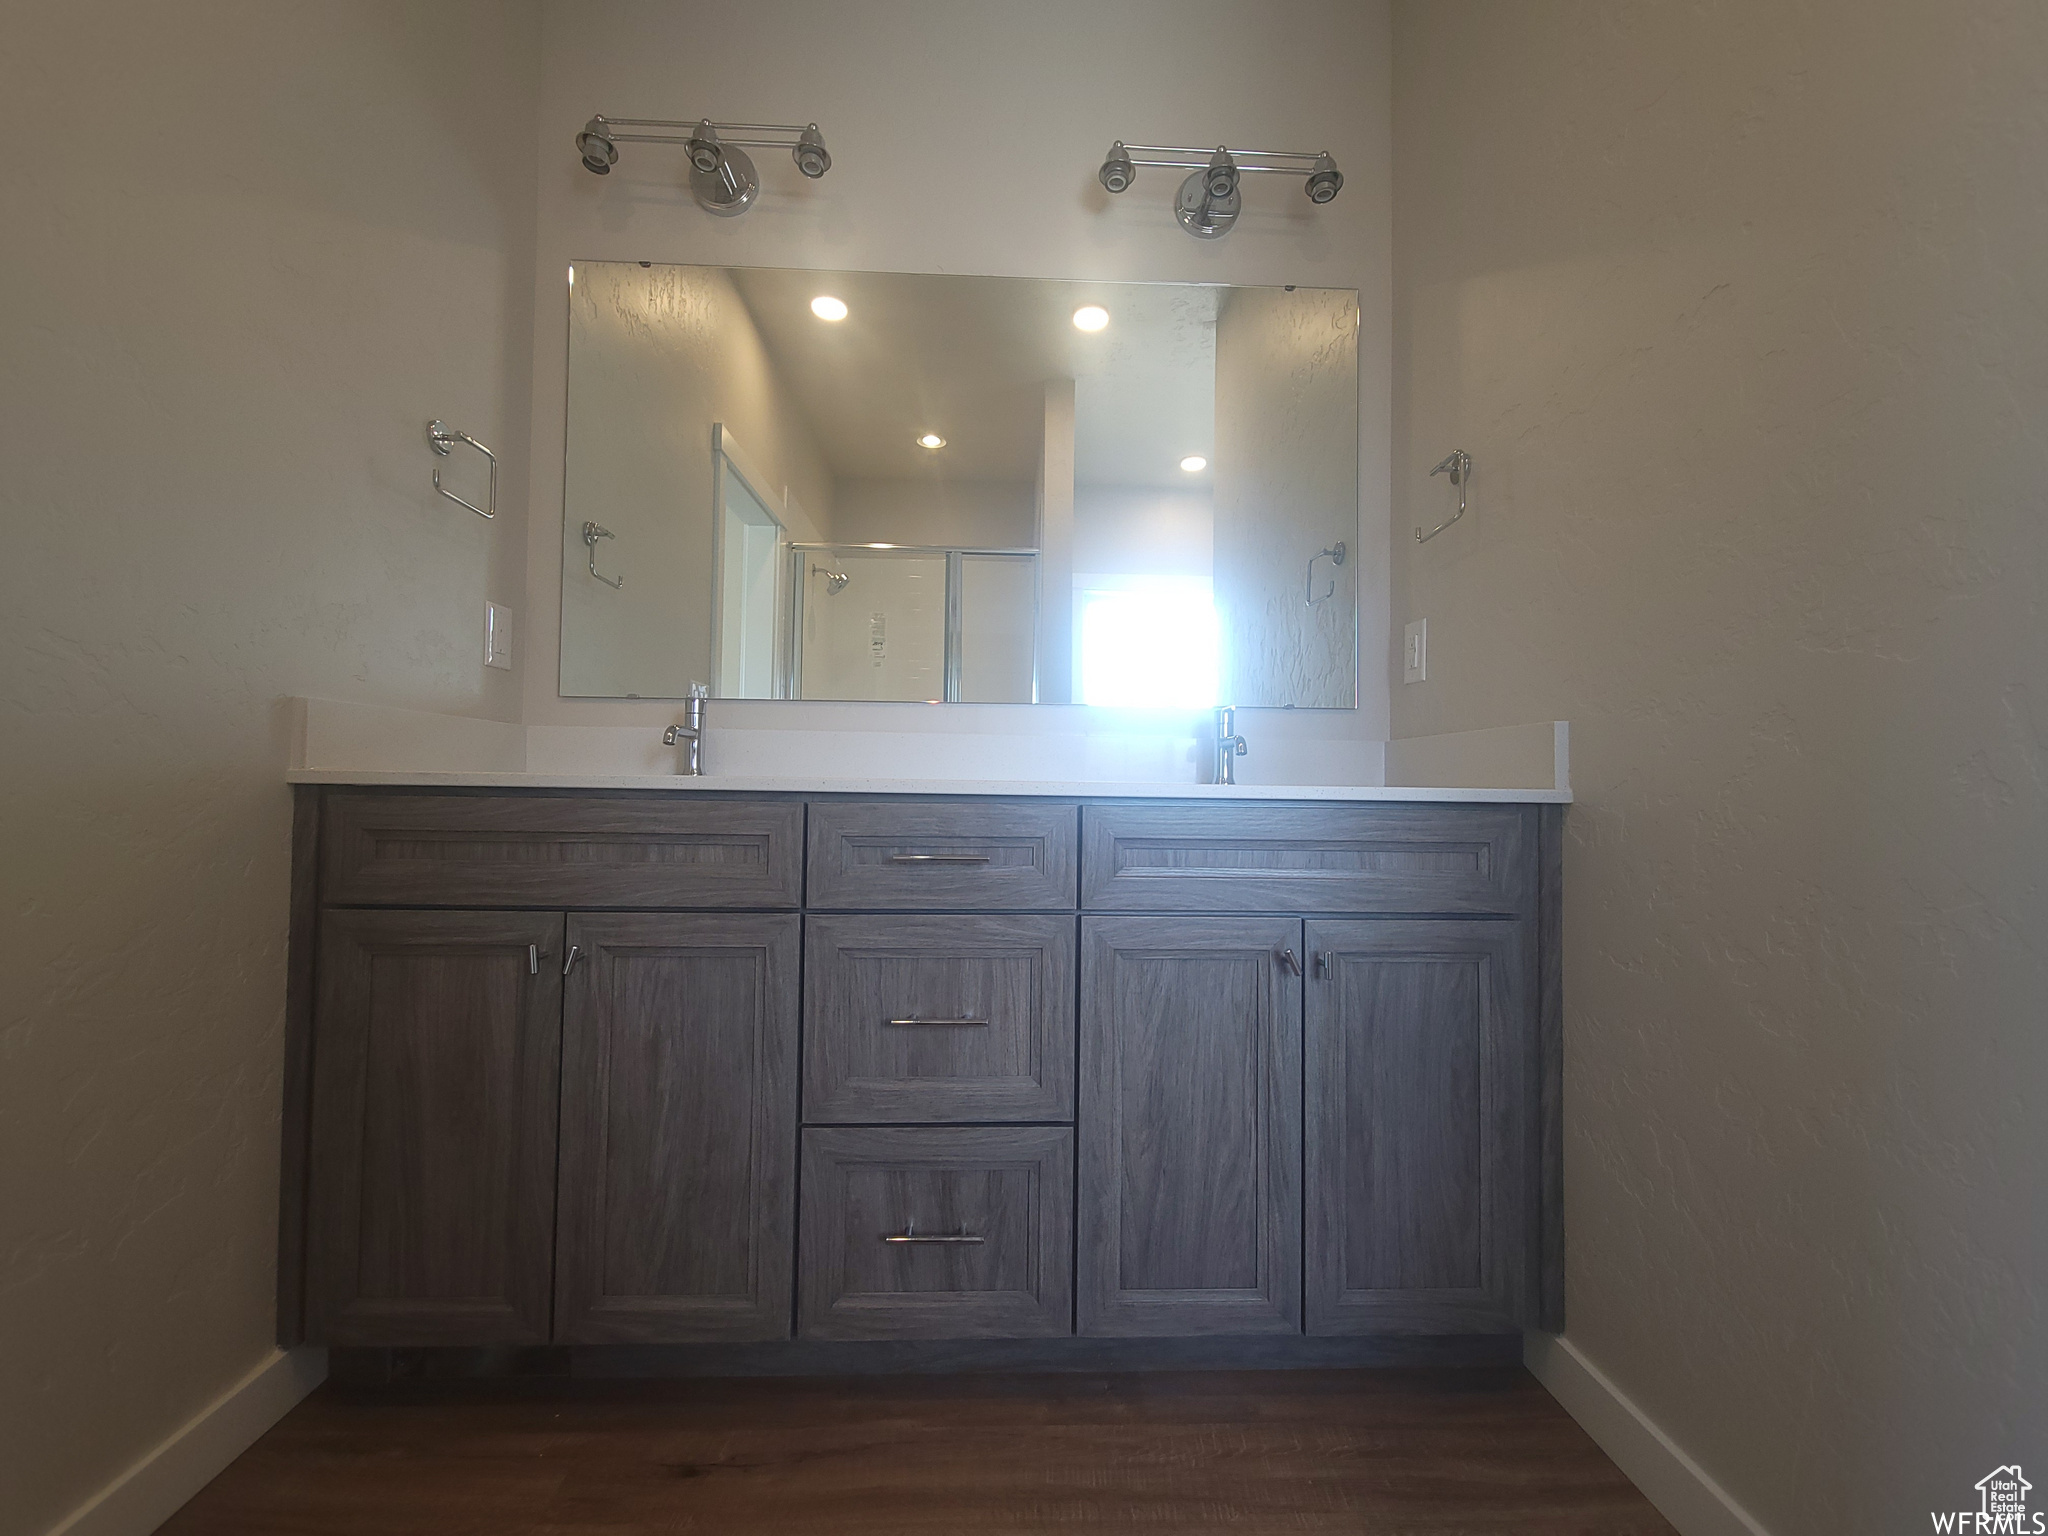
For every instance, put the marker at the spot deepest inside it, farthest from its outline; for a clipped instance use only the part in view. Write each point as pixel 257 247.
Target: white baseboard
pixel 156 1487
pixel 1682 1491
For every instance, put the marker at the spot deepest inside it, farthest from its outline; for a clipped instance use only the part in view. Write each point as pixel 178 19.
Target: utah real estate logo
pixel 2002 1510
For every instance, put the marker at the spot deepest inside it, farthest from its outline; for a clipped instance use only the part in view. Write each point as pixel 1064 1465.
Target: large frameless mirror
pixel 893 486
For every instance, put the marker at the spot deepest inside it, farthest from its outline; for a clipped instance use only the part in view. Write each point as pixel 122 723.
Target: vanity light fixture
pixel 1090 317
pixel 1209 200
pixel 1194 463
pixel 722 174
pixel 825 307
pixel 931 440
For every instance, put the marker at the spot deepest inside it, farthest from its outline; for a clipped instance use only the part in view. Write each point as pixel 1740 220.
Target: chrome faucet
pixel 690 734
pixel 1229 745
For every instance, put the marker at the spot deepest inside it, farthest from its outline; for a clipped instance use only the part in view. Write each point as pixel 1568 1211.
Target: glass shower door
pixel 872 624
pixel 995 632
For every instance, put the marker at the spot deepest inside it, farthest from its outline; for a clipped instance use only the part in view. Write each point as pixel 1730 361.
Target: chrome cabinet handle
pixel 944 1023
pixel 938 858
pixel 1322 962
pixel 910 1234
pixel 575 954
pixel 1287 959
pixel 533 959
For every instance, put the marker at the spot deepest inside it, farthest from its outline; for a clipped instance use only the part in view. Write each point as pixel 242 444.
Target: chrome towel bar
pixel 442 439
pixel 1458 464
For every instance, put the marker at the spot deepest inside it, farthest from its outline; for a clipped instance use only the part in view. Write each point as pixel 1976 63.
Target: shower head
pixel 595 145
pixel 1117 172
pixel 809 153
pixel 835 581
pixel 1325 181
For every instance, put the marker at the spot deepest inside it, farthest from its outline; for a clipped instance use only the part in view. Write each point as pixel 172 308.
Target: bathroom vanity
pixel 692 1066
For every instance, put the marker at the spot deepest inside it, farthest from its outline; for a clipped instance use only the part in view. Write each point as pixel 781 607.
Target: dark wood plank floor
pixel 1422 1452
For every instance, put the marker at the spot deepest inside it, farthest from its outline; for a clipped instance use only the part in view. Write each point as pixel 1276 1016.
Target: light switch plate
pixel 498 636
pixel 1415 652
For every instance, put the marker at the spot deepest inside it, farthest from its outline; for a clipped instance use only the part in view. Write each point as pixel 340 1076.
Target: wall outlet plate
pixel 1415 652
pixel 498 636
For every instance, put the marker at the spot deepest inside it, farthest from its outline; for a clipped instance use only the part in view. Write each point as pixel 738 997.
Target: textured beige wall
pixel 248 251
pixel 1743 312
pixel 1286 385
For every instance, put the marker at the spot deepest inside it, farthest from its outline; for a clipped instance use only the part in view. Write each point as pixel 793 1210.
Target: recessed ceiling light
pixel 931 440
pixel 1194 463
pixel 1090 317
pixel 825 307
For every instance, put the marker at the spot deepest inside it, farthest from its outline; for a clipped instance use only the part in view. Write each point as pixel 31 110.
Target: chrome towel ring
pixel 442 439
pixel 1335 555
pixel 1458 463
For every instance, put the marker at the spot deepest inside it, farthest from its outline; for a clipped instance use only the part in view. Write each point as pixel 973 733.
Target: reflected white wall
pixel 656 355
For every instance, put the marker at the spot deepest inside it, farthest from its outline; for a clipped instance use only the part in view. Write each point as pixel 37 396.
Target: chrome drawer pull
pixel 910 1234
pixel 938 858
pixel 944 1023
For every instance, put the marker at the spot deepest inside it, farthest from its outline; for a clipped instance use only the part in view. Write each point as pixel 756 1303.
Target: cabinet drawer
pixel 1450 860
pixel 988 855
pixel 930 1233
pixel 652 850
pixel 939 1018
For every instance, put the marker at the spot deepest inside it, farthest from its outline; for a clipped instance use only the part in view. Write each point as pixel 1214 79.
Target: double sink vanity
pixel 692 1066
pixel 803 1072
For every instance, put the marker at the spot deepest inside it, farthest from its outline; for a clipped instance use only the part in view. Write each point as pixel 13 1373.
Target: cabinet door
pixel 1190 1126
pixel 678 1129
pixel 1421 1127
pixel 436 1058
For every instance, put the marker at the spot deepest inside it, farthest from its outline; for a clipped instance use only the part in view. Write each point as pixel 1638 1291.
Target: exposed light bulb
pixel 1090 317
pixel 825 307
pixel 1194 463
pixel 931 440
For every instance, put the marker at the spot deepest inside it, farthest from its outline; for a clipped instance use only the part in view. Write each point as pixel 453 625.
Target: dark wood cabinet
pixel 1421 1127
pixel 432 1153
pixel 679 1109
pixel 1287 1070
pixel 1190 1125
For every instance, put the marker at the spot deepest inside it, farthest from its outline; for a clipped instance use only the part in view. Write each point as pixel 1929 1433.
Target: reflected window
pixel 1146 643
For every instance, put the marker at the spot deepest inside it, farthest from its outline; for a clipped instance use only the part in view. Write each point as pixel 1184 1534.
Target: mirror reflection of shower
pixel 919 623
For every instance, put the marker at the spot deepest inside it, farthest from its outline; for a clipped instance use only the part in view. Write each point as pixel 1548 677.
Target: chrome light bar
pixel 722 174
pixel 1208 201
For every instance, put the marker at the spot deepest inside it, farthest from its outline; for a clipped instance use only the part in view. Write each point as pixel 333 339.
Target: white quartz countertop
pixel 1071 789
